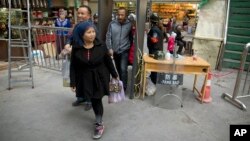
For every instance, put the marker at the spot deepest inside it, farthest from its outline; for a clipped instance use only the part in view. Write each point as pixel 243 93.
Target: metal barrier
pixel 48 44
pixel 234 98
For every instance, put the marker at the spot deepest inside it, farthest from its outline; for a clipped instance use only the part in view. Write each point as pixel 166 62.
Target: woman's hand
pixel 68 48
pixel 117 78
pixel 73 89
pixel 111 52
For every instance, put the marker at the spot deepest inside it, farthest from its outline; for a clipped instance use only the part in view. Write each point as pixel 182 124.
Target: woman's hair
pixel 132 17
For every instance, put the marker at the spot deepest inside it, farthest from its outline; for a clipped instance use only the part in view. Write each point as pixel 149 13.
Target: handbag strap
pixel 113 61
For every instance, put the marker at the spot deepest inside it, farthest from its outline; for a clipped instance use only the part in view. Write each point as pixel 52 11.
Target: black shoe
pixel 77 103
pixel 88 106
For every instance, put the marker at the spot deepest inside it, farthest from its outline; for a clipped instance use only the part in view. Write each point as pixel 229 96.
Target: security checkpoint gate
pixel 234 99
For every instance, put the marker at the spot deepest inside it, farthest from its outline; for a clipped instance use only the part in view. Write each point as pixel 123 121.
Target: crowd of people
pixel 91 66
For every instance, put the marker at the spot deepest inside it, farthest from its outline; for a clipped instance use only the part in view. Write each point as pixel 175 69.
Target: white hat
pixel 132 17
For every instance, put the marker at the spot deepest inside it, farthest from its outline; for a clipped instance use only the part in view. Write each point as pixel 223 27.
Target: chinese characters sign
pixel 169 79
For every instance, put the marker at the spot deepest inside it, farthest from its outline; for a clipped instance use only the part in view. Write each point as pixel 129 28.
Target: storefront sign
pixel 121 4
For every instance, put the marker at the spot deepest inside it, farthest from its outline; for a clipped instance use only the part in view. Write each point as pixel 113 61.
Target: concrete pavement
pixel 45 113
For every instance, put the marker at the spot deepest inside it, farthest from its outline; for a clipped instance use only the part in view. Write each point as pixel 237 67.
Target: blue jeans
pixel 121 62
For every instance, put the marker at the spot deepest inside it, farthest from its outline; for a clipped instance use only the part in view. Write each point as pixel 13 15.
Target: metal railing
pixel 48 42
pixel 234 98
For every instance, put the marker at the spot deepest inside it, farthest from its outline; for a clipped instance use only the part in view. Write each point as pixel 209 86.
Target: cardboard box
pixel 49 49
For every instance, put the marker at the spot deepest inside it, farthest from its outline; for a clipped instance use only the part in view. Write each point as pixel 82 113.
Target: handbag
pixel 117 94
pixel 116 90
pixel 114 86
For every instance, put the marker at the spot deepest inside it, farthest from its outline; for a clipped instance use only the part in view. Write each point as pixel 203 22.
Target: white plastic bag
pixel 116 97
pixel 65 72
pixel 38 57
pixel 150 87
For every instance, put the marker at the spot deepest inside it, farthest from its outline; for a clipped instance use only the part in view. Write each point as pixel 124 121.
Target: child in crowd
pixel 61 34
pixel 171 43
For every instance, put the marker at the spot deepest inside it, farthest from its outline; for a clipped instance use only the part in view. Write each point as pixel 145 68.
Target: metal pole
pixel 233 99
pixel 225 36
pixel 242 64
pixel 105 8
pixel 141 10
pixel 9 44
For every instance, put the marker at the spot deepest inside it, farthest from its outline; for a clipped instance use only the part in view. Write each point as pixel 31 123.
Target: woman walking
pixel 90 70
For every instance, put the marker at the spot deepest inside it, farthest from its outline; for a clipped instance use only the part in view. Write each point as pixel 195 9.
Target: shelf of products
pixel 23 3
pixel 46 17
pixel 42 12
pixel 16 11
pixel 178 10
pixel 130 6
pixel 19 20
pixel 3 23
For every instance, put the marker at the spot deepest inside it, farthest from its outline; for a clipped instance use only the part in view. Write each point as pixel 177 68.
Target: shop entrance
pixel 177 13
pixel 177 17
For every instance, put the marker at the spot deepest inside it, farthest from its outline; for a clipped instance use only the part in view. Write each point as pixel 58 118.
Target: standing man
pixel 83 14
pixel 118 41
pixel 154 40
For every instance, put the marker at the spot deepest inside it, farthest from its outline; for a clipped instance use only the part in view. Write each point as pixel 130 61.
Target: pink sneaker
pixel 99 128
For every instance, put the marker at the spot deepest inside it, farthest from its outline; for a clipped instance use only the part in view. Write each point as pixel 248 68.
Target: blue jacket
pixel 62 23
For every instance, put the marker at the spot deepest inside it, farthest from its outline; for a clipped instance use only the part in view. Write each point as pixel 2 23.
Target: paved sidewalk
pixel 45 113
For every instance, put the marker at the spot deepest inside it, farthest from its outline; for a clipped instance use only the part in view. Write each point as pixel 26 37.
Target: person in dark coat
pixel 154 40
pixel 61 35
pixel 179 39
pixel 83 14
pixel 90 70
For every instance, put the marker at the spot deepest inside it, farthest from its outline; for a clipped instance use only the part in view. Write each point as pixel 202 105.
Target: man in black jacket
pixel 154 40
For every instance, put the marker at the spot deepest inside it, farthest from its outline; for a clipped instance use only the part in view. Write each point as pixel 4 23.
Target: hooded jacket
pixel 119 36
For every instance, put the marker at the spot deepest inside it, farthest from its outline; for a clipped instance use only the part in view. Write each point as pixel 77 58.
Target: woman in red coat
pixel 90 70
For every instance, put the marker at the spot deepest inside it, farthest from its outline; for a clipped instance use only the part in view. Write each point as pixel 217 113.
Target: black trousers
pixel 153 77
pixel 97 106
pixel 60 42
pixel 181 44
